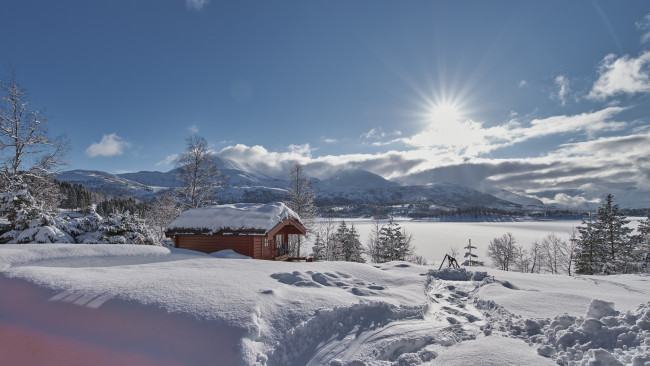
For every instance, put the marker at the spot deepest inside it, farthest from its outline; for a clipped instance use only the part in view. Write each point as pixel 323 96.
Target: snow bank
pixel 234 217
pixel 491 351
pixel 229 254
pixel 13 255
pixel 603 335
pixel 150 305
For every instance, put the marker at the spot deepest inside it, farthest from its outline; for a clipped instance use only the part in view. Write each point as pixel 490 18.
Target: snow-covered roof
pixel 253 218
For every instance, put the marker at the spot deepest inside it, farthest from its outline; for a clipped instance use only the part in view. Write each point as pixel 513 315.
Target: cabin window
pixel 266 242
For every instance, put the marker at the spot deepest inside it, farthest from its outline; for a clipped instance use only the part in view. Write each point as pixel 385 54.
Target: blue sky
pixel 539 97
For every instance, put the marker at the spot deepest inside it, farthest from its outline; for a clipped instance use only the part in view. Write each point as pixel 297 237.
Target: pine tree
pixel 393 243
pixel 29 220
pixel 353 250
pixel 605 243
pixel 616 235
pixel 338 242
pixel 124 228
pixel 319 249
pixel 590 252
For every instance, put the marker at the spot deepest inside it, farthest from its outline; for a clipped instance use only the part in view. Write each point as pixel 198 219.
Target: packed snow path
pixel 384 334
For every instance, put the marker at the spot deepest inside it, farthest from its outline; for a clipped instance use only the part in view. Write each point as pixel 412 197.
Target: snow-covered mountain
pixel 111 184
pixel 345 187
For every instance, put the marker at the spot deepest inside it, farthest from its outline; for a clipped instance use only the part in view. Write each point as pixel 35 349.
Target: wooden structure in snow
pixel 260 231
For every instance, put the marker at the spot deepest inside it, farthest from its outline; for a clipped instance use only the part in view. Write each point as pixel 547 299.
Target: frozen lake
pixel 433 239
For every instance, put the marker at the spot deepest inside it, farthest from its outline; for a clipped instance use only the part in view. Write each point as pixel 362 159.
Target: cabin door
pixel 266 248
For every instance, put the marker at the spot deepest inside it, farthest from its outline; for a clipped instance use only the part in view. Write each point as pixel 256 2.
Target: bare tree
pixel 536 257
pixel 26 149
pixel 502 251
pixel 300 198
pixel 522 261
pixel 198 174
pixel 570 249
pixel 454 251
pixel 553 249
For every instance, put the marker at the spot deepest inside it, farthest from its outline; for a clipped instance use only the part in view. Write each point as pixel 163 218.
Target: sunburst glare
pixel 445 112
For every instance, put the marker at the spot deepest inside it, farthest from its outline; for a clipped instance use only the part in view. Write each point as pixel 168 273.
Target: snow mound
pixel 229 254
pixel 497 351
pixel 462 274
pixel 603 337
pixel 599 309
pixel 235 217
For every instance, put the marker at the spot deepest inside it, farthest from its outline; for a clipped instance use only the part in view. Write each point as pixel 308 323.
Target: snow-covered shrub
pixel 29 220
pixel 124 229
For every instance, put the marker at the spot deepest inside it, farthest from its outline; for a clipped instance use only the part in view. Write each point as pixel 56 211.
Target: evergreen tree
pixel 346 245
pixel 124 228
pixel 605 245
pixel 338 241
pixel 29 220
pixel 589 253
pixel 393 243
pixel 319 249
pixel 352 249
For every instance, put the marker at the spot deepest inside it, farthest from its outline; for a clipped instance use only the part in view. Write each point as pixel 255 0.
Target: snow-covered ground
pixel 144 305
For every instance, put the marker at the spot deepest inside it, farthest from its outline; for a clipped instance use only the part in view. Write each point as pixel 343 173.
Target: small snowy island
pixel 147 305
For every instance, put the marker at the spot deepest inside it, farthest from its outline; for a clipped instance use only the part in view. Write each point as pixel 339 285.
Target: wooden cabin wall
pixel 211 244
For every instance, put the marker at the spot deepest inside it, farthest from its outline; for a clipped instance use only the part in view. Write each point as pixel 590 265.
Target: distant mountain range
pixel 345 187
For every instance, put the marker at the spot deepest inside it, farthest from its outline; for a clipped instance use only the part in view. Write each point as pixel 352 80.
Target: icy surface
pixel 121 304
pixel 238 216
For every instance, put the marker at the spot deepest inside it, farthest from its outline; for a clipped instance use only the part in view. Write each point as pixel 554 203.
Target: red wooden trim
pixel 289 221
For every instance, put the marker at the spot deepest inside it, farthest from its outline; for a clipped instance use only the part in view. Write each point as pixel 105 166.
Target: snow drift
pixel 120 304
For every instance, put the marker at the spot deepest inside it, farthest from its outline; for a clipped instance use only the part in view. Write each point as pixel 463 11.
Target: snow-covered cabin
pixel 260 231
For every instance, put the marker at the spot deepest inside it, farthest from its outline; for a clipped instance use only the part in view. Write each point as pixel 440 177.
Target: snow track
pixel 377 333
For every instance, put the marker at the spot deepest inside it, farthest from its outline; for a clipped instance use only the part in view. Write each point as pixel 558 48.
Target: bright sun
pixel 445 112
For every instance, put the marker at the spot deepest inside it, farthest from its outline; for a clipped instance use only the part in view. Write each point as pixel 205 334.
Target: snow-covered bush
pixel 124 229
pixel 29 220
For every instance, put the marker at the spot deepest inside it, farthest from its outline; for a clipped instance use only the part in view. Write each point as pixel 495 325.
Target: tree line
pixel 602 244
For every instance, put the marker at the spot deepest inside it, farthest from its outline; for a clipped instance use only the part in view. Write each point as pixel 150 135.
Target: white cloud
pixel 624 75
pixel 193 129
pixel 522 83
pixel 196 4
pixel 301 150
pixel 329 140
pixel 110 145
pixel 168 160
pixel 562 83
pixel 373 133
pixel 470 138
pixel 644 25
pixel 377 134
pixel 565 200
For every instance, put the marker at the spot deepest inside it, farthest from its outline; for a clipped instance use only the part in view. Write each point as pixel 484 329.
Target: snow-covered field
pixel 144 305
